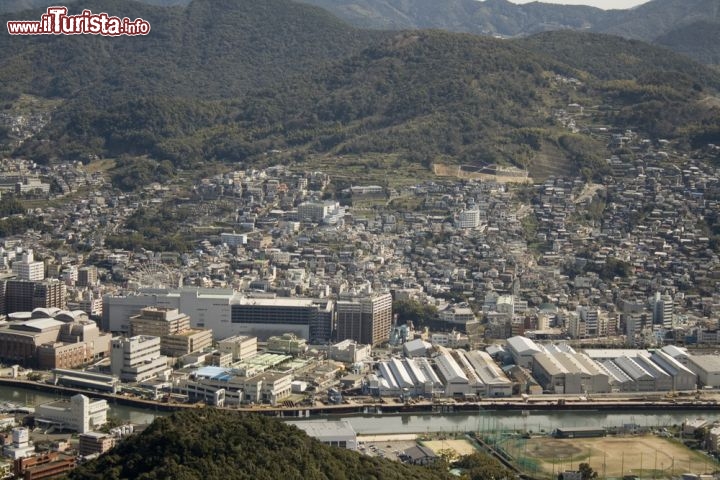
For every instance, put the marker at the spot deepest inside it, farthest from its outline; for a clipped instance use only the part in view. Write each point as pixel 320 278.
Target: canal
pixel 483 420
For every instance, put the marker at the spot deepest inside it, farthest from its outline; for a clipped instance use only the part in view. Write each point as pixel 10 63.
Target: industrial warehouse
pixel 559 369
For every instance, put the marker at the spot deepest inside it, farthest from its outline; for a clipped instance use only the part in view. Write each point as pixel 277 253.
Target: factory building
pixel 682 377
pixel 452 375
pixel 522 350
pixel 707 369
pixel 619 380
pixel 496 383
pixel 564 372
pixel 411 377
pixel 642 380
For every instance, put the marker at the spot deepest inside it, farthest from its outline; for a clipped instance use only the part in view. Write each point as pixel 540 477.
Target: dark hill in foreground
pixel 211 444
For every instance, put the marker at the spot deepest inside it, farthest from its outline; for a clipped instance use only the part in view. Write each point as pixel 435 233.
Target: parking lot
pixel 388 446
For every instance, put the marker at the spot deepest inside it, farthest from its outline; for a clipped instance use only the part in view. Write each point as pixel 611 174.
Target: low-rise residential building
pixel 95 443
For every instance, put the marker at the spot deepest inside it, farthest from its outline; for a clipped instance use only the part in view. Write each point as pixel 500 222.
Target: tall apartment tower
pixel 87 276
pixel 49 294
pixel 663 310
pixel 24 296
pixel 366 320
pixel 3 304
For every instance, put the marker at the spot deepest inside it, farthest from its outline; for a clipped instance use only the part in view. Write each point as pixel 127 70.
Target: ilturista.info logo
pixel 57 22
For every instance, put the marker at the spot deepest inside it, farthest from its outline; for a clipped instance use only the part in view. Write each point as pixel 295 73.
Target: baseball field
pixel 646 456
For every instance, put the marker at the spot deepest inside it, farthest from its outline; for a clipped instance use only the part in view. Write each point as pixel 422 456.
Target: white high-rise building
pixel 469 218
pixel 28 269
pixel 137 359
pixel 663 310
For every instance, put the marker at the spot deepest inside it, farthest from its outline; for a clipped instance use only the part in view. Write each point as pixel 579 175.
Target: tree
pixel 481 466
pixel 412 310
pixel 586 471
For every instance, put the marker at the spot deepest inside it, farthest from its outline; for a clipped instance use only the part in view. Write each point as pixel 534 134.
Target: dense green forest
pixel 212 444
pixel 228 80
pixel 698 40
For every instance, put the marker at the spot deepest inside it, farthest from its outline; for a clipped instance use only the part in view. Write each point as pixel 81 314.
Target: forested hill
pixel 211 444
pixel 211 49
pixel 649 22
pixel 698 40
pixel 228 80
pixel 678 24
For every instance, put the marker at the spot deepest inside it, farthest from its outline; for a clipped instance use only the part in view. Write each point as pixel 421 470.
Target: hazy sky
pixel 606 4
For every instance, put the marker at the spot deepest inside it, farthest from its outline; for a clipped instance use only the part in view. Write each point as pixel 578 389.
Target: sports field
pixel 645 456
pixel 459 447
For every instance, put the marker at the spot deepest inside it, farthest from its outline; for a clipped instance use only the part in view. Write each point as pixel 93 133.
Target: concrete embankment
pixel 388 406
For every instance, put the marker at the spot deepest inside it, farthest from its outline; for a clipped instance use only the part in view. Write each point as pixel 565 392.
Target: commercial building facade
pixel 227 313
pixel 137 359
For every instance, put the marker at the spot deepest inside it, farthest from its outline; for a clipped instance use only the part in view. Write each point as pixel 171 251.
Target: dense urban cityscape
pixel 330 240
pixel 445 290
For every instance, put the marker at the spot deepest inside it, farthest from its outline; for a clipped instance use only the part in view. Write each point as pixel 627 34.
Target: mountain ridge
pixel 649 22
pixel 646 22
pixel 290 77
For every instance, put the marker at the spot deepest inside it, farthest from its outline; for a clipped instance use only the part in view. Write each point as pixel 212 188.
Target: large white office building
pixel 79 414
pixel 227 312
pixel 137 359
pixel 26 268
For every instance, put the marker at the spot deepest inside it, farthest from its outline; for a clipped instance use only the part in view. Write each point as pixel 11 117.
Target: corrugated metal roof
pixel 616 372
pixel 632 368
pixel 522 345
pixel 449 369
pixel 401 375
